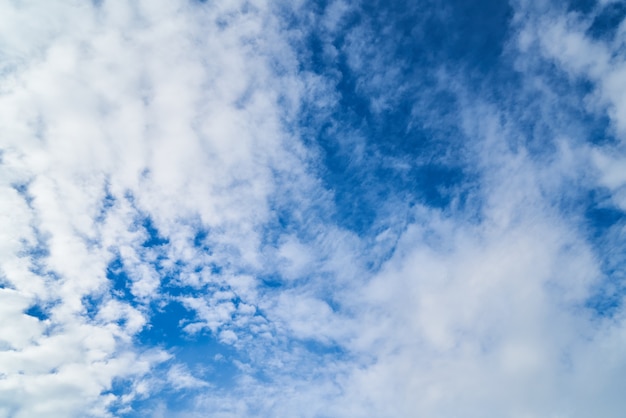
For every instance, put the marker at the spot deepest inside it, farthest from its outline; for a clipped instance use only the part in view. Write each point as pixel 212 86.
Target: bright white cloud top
pixel 312 209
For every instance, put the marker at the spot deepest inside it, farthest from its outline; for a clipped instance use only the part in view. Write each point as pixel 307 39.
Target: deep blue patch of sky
pixel 581 6
pixel 154 238
pixel 201 352
pixel 605 225
pixel 119 279
pixel 416 42
pixel 38 312
pixel 606 23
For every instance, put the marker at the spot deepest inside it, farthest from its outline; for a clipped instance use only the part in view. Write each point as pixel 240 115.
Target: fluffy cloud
pixel 263 209
pixel 122 121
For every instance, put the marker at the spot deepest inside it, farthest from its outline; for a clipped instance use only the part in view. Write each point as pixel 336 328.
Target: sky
pixel 316 209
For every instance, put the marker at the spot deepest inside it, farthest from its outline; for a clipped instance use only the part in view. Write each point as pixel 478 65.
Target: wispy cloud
pixel 329 209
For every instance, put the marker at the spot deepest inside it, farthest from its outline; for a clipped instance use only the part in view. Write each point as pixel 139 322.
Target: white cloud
pixel 477 316
pixel 180 378
pixel 563 39
pixel 170 111
pixel 168 115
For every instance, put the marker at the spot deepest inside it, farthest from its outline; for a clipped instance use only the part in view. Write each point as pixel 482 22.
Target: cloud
pixel 565 40
pixel 117 113
pixel 271 209
pixel 180 378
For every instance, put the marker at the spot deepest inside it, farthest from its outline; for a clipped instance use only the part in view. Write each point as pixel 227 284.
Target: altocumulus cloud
pixel 312 209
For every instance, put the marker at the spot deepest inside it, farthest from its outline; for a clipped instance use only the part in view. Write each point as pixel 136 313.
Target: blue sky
pixel 312 209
